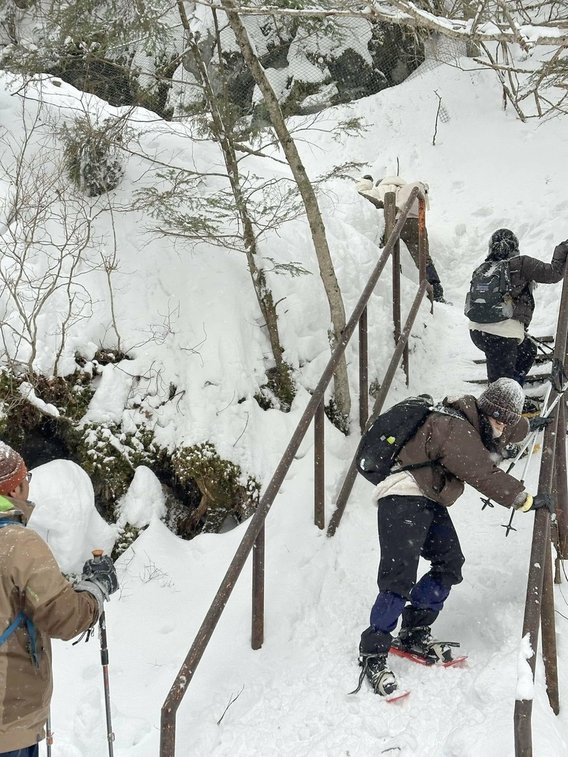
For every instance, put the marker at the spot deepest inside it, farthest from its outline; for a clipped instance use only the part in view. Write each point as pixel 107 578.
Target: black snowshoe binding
pixel 373 651
pixel 532 407
pixel 418 641
pixel 381 678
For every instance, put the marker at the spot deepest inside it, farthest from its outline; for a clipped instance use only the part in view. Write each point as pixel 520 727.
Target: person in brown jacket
pixel 36 604
pixel 509 350
pixel 459 442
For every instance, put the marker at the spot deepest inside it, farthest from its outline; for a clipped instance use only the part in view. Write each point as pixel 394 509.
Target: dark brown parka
pixel 524 270
pixel 455 446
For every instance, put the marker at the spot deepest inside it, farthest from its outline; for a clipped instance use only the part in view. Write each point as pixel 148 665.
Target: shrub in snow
pixel 92 156
pixel 225 490
pixel 29 401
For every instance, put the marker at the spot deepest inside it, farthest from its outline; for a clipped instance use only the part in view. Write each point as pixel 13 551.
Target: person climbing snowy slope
pixel 461 441
pixel 500 304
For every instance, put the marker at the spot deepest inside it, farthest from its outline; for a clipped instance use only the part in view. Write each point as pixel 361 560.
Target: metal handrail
pixel 253 538
pixel 400 350
pixel 539 604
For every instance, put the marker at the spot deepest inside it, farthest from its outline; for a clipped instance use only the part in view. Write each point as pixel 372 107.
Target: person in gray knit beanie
pixel 458 443
pixel 503 400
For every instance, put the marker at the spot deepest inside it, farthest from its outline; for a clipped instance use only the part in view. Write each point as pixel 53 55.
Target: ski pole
pixel 48 734
pixel 97 554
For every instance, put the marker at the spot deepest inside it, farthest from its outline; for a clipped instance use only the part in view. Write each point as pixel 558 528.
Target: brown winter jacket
pixel 30 580
pixel 455 444
pixel 525 270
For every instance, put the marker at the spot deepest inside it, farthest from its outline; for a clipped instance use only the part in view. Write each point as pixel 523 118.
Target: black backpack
pixel 386 436
pixel 489 298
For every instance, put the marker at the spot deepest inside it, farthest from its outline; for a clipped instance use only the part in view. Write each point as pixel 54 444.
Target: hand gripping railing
pixel 539 605
pixel 253 538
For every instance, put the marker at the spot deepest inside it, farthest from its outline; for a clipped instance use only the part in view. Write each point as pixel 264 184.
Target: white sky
pixel 485 171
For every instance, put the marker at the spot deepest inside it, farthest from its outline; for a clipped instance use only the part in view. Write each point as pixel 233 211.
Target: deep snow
pixel 486 170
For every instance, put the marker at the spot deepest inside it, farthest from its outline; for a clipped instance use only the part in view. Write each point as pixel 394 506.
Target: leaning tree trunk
pixel 223 136
pixel 327 272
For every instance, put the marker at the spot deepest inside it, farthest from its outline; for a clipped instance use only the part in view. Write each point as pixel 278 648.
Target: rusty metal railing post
pixel 548 628
pixel 390 220
pixel 421 238
pixel 541 538
pixel 537 593
pixel 363 370
pixel 257 622
pixel 319 467
pixel 561 487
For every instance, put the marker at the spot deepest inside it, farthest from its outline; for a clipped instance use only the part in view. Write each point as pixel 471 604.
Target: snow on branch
pixel 482 27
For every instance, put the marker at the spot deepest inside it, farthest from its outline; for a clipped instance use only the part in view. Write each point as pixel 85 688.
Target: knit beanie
pixel 503 245
pixel 503 400
pixel 12 469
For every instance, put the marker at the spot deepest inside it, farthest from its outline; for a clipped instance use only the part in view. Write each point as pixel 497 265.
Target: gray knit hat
pixel 503 400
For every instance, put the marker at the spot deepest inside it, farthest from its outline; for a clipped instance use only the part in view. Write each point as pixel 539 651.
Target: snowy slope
pixel 486 170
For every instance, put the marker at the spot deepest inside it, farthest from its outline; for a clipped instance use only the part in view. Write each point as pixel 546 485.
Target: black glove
pixel 101 571
pixel 538 423
pixel 543 500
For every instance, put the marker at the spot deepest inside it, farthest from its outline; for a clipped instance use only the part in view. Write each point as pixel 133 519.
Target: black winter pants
pixel 410 528
pixel 506 358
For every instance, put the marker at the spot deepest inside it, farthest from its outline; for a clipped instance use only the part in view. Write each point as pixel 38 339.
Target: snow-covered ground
pixel 485 171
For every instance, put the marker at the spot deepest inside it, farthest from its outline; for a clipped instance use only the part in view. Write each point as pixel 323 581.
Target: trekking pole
pixel 48 734
pixel 545 414
pixel 97 554
pixel 509 526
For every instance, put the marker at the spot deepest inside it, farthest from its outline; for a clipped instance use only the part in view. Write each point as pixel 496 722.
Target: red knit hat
pixel 12 469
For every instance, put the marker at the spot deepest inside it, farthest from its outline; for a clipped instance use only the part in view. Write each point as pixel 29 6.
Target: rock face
pixel 314 68
pixel 310 69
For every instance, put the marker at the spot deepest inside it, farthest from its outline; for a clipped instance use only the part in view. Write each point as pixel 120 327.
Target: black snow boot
pixel 415 636
pixel 373 651
pixel 531 408
pixel 438 292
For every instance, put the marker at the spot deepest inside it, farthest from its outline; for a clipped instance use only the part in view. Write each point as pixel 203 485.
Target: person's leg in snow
pixel 500 353
pixel 526 355
pixel 410 528
pixel 410 236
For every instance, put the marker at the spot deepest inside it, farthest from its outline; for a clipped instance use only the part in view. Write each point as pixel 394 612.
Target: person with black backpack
pixel 500 304
pixel 457 441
